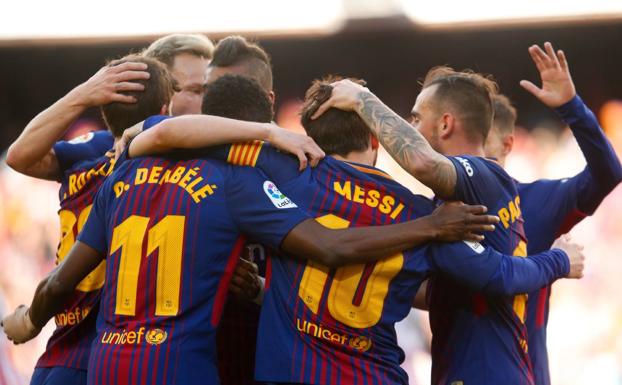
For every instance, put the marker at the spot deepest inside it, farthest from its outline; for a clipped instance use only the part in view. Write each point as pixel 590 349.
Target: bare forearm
pixel 196 131
pixel 407 146
pixel 49 299
pixel 39 136
pixel 335 248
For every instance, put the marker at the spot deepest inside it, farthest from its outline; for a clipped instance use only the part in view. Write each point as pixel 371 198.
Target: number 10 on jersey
pixel 355 299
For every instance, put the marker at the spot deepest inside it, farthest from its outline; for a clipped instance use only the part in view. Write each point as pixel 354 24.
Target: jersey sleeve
pixel 473 180
pixel 85 147
pixel 494 273
pixel 603 166
pixel 278 166
pixel 94 231
pixel 153 120
pixel 561 211
pixel 258 207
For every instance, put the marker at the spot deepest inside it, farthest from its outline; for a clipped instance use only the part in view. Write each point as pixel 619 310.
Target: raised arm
pixel 52 294
pixel 32 154
pixel 403 142
pixel 337 247
pixel 603 171
pixel 197 131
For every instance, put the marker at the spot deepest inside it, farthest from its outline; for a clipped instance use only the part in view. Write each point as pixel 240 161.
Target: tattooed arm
pixel 405 144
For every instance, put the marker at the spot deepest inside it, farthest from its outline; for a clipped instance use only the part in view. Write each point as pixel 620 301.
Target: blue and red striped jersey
pixel 85 165
pixel 171 231
pixel 336 326
pixel 480 339
pixel 554 207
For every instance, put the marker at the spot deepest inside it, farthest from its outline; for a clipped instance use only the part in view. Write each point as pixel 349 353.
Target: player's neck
pixel 356 157
pixel 463 147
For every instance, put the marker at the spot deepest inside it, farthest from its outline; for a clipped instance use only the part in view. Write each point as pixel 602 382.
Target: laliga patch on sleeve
pixel 82 138
pixel 467 166
pixel 476 246
pixel 278 199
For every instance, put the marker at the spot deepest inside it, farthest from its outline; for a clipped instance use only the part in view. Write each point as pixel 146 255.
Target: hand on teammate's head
pixel 110 83
pixel 345 96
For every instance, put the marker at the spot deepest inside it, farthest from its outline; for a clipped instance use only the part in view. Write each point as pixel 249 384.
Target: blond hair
pixel 166 48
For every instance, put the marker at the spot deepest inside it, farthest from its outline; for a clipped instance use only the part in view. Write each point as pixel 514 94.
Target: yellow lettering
pixel 131 337
pixel 517 203
pixel 71 318
pixel 513 212
pixel 90 174
pixel 314 326
pixel 179 171
pixel 155 174
pixel 345 190
pixel 166 177
pixel 140 333
pixel 106 338
pixel 335 338
pixel 387 204
pixel 359 193
pixel 202 193
pixel 184 181
pixel 190 187
pixel 81 180
pixel 118 188
pixel 326 334
pixel 397 211
pixel 372 198
pixel 72 184
pixel 504 215
pixel 141 176
pixel 301 329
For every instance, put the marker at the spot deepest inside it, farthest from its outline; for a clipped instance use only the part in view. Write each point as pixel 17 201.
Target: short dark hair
pixel 237 97
pixel 468 94
pixel 158 91
pixel 335 131
pixel 505 114
pixel 237 51
pixel 166 48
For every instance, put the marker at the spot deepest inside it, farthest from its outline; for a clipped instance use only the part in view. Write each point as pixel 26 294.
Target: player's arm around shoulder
pixel 199 131
pixel 336 247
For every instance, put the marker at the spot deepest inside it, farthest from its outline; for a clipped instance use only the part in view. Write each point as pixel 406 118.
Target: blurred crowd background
pixel 392 49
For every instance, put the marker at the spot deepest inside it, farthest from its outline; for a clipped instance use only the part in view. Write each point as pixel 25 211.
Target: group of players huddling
pixel 162 217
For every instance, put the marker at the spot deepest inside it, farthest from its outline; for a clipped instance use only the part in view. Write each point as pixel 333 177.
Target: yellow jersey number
pixel 345 283
pixel 95 279
pixel 520 300
pixel 166 236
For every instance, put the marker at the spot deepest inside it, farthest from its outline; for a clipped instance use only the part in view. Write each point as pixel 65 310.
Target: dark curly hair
pixel 237 97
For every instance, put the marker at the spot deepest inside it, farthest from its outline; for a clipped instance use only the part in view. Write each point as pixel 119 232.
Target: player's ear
pixel 272 97
pixel 374 142
pixel 166 108
pixel 508 143
pixel 447 125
